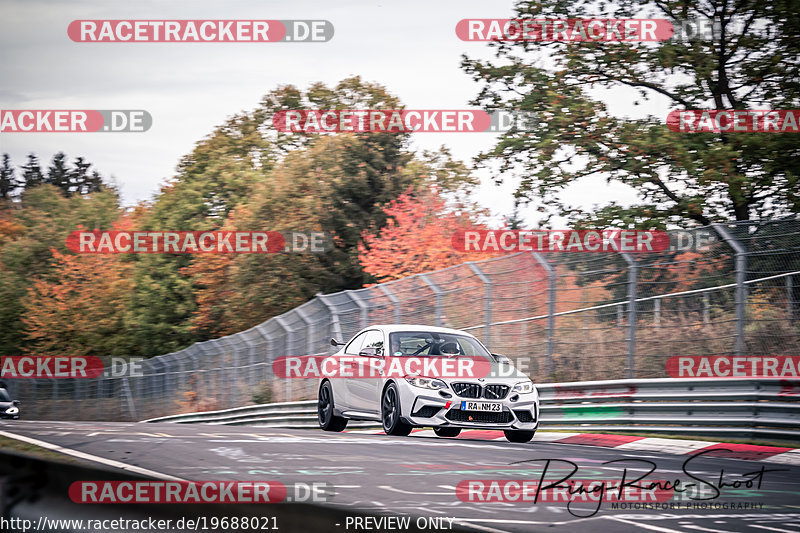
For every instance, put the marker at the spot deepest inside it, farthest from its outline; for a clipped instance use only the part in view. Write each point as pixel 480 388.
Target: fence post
pixel 129 398
pixel 310 330
pixel 361 305
pixel 657 312
pixel 289 341
pixel 336 326
pixel 633 274
pixel 395 302
pixel 487 308
pixel 438 292
pixel 551 311
pixel 741 271
pixel 789 301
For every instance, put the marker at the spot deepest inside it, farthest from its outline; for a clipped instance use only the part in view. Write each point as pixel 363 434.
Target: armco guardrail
pixel 765 409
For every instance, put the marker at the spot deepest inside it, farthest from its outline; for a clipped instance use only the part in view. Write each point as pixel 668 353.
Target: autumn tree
pixel 82 311
pixel 417 237
pixel 30 230
pixel 248 176
pixel 681 178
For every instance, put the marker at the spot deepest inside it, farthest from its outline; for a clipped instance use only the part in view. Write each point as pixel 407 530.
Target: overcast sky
pixel 410 47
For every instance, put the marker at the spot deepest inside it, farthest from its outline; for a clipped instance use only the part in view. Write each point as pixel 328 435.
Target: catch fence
pixel 726 289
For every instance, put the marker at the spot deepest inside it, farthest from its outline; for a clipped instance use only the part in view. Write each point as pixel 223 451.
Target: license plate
pixel 494 407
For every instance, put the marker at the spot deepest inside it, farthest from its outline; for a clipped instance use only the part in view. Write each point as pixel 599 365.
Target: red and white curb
pixel 747 452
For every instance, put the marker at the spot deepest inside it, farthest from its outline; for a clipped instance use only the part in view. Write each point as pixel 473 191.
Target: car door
pixel 343 387
pixel 366 390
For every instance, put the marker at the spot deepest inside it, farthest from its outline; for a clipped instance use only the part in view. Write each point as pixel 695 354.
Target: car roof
pixel 390 328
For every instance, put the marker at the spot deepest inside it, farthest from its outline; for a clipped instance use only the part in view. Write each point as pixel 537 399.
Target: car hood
pixel 498 374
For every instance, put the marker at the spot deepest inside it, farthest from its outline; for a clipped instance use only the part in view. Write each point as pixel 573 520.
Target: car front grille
pixel 467 390
pixel 495 392
pixel 473 390
pixel 457 415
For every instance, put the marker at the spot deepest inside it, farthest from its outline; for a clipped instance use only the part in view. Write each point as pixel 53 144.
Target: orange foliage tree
pixel 417 237
pixel 79 309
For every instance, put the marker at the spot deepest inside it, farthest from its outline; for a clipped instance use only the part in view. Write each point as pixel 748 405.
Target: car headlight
pixel 12 410
pixel 524 387
pixel 427 383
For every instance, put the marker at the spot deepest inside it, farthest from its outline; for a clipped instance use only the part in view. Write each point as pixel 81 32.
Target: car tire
pixel 327 420
pixel 447 432
pixel 518 436
pixel 390 413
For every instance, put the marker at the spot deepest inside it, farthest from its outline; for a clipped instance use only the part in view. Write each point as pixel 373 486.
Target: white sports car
pixel 434 392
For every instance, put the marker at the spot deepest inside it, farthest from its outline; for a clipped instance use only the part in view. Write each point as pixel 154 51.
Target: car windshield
pixel 432 344
pixel 4 397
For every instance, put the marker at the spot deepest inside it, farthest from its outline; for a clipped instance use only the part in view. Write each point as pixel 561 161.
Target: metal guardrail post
pixel 551 310
pixel 364 309
pixel 438 292
pixel 395 302
pixel 336 326
pixel 789 300
pixel 741 272
pixel 633 282
pixel 487 283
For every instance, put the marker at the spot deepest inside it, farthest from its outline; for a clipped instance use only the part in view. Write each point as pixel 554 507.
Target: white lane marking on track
pixel 671 446
pixel 393 489
pixel 789 458
pixel 699 528
pixel 649 527
pixel 526 522
pixel 89 457
pixel 774 529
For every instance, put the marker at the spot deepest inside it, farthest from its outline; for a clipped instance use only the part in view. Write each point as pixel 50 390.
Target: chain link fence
pixel 725 289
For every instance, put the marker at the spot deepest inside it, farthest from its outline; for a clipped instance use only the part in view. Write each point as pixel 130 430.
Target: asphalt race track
pixel 416 476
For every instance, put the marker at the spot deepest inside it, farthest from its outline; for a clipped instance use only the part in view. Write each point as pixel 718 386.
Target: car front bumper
pixel 429 409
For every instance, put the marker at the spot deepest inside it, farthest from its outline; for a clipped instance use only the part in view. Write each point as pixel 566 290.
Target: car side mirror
pixel 370 351
pixel 334 342
pixel 16 402
pixel 502 359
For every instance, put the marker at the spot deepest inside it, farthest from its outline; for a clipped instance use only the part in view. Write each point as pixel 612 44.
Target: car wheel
pixel 519 436
pixel 447 432
pixel 327 420
pixel 390 413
